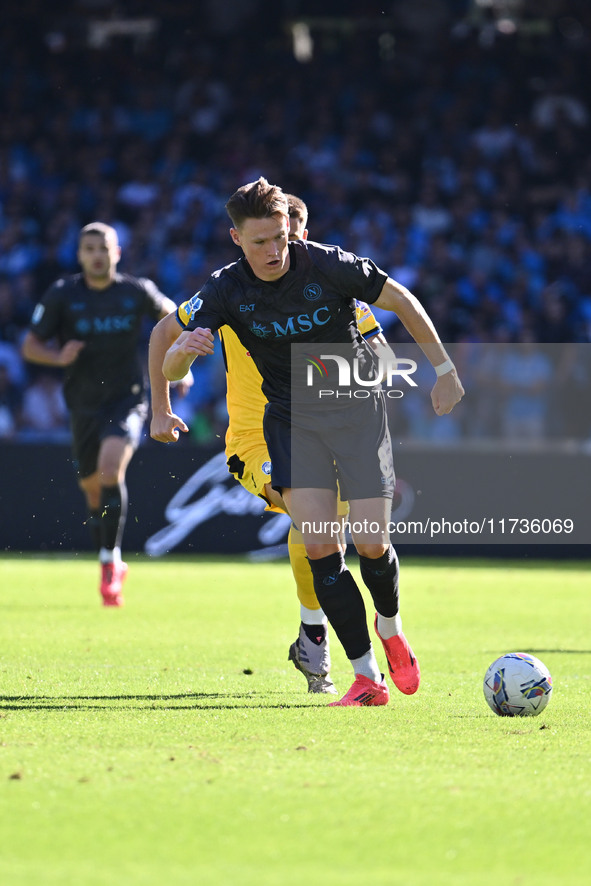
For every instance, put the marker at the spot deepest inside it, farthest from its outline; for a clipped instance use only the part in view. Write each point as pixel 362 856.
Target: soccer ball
pixel 517 685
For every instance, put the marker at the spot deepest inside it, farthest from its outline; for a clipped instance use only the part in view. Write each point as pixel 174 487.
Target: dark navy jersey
pixel 313 303
pixel 110 322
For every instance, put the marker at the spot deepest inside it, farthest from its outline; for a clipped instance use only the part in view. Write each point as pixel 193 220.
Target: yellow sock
pixel 301 570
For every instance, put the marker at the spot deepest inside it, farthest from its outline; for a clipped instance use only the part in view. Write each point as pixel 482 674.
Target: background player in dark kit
pixel 90 324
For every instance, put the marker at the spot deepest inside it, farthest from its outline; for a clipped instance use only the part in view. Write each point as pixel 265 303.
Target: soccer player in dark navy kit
pixel 280 295
pixel 90 325
pixel 248 457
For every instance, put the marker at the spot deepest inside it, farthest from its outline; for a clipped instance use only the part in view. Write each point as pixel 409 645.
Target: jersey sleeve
pixel 368 277
pixel 358 278
pixel 47 316
pixel 154 299
pixel 366 322
pixel 203 310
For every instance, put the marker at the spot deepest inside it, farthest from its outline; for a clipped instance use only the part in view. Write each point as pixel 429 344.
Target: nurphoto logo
pixel 382 374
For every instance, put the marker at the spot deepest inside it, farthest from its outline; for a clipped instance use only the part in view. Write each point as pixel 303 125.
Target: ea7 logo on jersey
pixel 193 306
pixel 247 307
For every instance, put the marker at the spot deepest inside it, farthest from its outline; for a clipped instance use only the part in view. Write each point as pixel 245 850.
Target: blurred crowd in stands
pixel 457 158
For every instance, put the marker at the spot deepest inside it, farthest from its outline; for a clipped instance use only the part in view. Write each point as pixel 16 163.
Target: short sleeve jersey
pixel 314 302
pixel 110 322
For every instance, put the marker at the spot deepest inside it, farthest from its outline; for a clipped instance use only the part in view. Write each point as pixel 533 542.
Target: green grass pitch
pixel 171 742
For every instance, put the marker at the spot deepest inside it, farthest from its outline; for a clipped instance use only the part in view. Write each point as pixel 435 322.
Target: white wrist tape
pixel 443 368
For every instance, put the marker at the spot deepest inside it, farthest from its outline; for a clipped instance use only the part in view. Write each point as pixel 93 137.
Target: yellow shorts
pixel 251 466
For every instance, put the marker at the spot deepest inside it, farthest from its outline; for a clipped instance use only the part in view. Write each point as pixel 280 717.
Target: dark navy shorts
pixel 351 445
pixel 121 418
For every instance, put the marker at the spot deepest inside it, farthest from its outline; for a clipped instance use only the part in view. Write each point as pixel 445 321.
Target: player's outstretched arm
pixel 35 350
pixel 448 389
pixel 164 425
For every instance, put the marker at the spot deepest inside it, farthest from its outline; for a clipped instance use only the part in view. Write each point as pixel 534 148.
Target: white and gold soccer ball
pixel 517 685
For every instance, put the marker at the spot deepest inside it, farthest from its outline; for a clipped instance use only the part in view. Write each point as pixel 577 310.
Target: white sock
pixel 368 666
pixel 389 627
pixel 312 616
pixel 107 556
